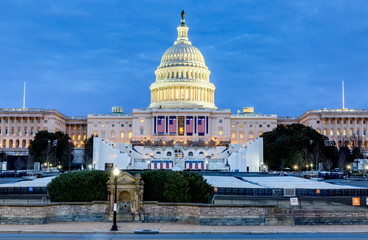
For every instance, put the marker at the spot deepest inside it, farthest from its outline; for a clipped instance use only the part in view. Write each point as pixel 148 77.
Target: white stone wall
pixel 105 153
pixel 247 159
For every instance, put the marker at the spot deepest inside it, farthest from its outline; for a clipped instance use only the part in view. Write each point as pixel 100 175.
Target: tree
pixel 2 156
pixel 295 144
pixel 52 148
pixel 88 151
pixel 343 159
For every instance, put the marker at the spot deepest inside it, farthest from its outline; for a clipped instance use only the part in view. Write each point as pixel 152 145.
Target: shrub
pixel 169 186
pixel 81 186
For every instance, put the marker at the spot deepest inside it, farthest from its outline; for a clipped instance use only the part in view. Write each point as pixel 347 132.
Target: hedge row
pixel 160 185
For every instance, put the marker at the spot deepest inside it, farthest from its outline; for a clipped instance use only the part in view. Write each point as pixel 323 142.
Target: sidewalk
pixel 103 227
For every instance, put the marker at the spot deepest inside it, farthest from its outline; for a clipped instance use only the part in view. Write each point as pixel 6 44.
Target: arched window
pixel 190 154
pixel 158 153
pixel 169 154
pixel 201 153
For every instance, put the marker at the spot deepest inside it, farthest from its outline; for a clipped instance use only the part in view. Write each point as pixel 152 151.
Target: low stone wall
pixel 201 214
pixel 205 214
pixel 322 217
pixel 52 212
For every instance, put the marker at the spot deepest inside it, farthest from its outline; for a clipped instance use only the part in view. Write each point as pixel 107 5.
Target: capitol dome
pixel 182 78
pixel 182 54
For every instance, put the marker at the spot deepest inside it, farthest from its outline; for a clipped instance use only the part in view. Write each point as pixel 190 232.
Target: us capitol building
pixel 182 127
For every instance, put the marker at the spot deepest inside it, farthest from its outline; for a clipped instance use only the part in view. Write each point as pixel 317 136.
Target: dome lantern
pixel 182 31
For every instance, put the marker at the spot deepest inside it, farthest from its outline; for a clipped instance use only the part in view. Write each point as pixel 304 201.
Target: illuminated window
pixel 130 134
pixel 260 134
pixel 79 137
pixel 351 132
pixel 344 132
pixel 220 133
pixel 232 135
pixel 324 132
pixel 241 125
pixel 338 132
pixel 324 121
pixel 122 135
pixel 331 132
pixel 73 137
pixel 319 131
pixel 233 125
pixel 142 120
pixel 103 125
pixel 84 137
pixel 250 136
pixel 241 135
pixel 95 134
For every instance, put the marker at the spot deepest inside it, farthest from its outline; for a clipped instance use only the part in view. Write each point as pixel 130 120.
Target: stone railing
pixel 201 214
pixel 53 212
pixel 205 214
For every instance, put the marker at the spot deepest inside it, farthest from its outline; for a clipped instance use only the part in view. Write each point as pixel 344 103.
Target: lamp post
pixel 116 173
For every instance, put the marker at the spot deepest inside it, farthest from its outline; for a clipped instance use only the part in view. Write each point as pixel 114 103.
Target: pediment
pixel 125 178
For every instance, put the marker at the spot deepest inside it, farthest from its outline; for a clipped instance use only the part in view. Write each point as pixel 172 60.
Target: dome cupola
pixel 182 78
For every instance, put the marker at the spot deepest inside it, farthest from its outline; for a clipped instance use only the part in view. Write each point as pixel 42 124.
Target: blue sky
pixel 282 57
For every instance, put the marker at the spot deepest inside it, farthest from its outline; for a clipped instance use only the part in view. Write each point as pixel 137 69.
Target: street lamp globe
pixel 116 171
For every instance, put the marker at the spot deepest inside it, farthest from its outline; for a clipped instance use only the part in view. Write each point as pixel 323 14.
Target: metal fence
pixel 272 192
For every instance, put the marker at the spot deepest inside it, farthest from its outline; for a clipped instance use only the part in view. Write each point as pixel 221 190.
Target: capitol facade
pixel 182 127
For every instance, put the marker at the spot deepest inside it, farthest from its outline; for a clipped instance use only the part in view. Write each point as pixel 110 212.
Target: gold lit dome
pixel 182 79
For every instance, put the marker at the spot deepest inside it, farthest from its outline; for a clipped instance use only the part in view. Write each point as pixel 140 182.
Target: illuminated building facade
pixel 182 125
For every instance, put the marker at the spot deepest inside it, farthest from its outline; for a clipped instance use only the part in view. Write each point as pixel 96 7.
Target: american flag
pixel 201 125
pixel 160 124
pixel 189 125
pixel 172 125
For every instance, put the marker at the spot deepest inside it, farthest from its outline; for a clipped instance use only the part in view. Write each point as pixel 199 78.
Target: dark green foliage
pixel 169 186
pixel 88 151
pixel 290 145
pixel 80 186
pixel 41 149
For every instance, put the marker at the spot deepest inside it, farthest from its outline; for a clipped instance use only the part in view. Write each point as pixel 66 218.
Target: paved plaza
pixel 129 227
